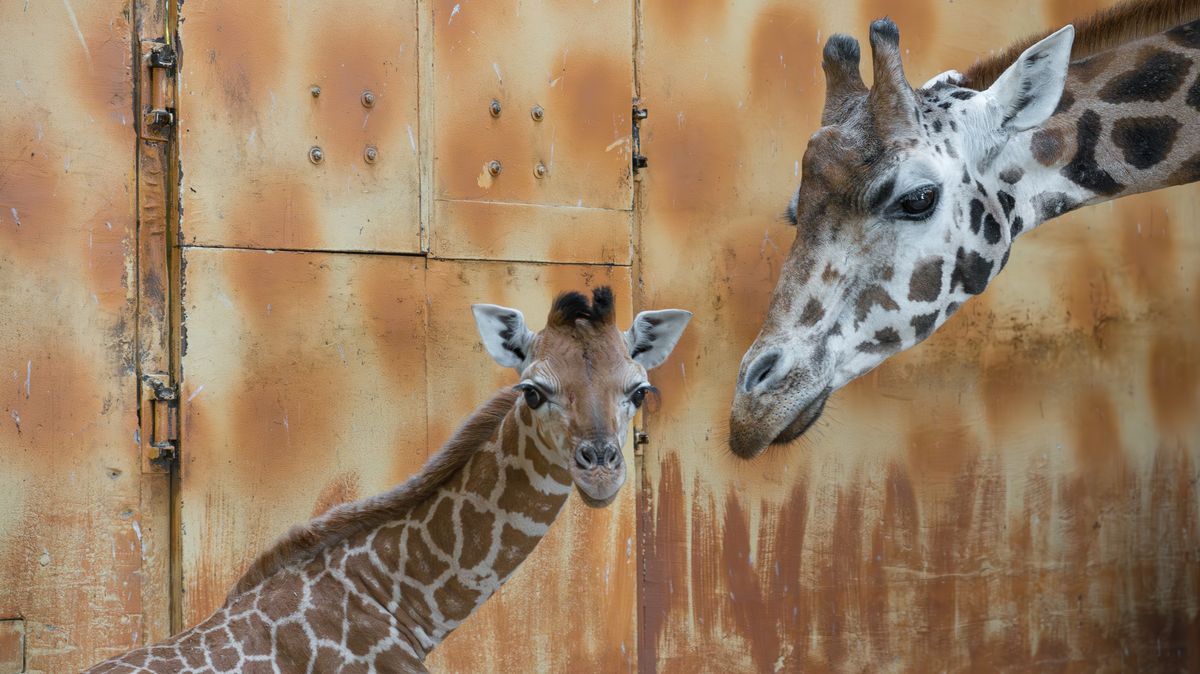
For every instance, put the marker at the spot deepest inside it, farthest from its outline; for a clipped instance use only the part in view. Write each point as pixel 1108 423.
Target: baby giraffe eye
pixel 639 396
pixel 919 203
pixel 533 397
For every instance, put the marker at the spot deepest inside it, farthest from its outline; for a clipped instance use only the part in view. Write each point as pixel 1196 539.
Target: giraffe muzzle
pixel 598 472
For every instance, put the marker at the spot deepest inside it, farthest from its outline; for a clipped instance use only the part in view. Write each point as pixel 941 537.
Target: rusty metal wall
pixel 1020 492
pixel 83 532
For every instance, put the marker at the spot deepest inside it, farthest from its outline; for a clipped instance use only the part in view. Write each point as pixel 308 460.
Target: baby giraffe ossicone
pixel 376 584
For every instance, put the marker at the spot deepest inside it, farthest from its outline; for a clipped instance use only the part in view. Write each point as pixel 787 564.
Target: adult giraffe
pixel 910 200
pixel 375 585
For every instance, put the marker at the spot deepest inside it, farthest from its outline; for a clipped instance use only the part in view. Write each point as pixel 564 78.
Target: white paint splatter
pixel 16 217
pixel 79 33
pixel 454 12
pixel 496 69
pixel 412 139
pixel 253 135
pixel 28 376
pixel 195 393
pixel 16 418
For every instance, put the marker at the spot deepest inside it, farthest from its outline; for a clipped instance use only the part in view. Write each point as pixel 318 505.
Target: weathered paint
pixel 249 119
pixel 77 557
pixel 1019 492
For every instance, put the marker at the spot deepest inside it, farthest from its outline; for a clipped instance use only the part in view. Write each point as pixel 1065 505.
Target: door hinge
pixel 158 90
pixel 639 160
pixel 159 432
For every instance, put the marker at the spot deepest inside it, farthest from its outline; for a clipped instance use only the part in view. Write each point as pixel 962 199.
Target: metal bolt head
pixel 494 167
pixel 368 99
pixel 371 154
pixel 540 170
pixel 495 108
pixel 316 155
pixel 538 113
pixel 315 91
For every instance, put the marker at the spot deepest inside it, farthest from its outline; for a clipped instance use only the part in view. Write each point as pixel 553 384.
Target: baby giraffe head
pixel 582 379
pixel 906 209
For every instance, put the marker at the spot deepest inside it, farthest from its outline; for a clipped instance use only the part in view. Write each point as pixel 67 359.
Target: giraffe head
pixel 902 214
pixel 582 378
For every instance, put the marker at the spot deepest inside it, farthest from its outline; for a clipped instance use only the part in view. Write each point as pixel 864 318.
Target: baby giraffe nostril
pixel 586 458
pixel 612 456
pixel 761 371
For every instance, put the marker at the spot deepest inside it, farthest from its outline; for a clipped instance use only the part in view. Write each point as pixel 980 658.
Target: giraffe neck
pixel 455 550
pixel 1128 122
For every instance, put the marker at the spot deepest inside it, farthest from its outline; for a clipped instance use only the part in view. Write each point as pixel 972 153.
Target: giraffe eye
pixel 918 204
pixel 533 397
pixel 639 396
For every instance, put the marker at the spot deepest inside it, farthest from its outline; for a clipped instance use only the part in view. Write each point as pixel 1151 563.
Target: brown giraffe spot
pixel 355 668
pixel 926 282
pixel 328 660
pixel 1047 146
pixel 1187 35
pixel 224 659
pixel 477 528
pixel 455 600
pixel 1188 171
pixel 482 474
pixel 293 650
pixel 526 415
pixel 542 464
pixel 258 667
pixel 1088 68
pixel 283 599
pixel 253 633
pixel 520 497
pixel 420 563
pixel 1157 77
pixel 514 547
pixel 414 599
pixel 1145 141
pixel 371 626
pixel 243 602
pixel 874 295
pixel 387 545
pixel 813 312
pixel 395 659
pixel 421 512
pixel 441 525
pixel 159 653
pixel 325 614
pixel 192 649
pixel 923 325
pixel 830 274
pixel 358 566
pixel 886 341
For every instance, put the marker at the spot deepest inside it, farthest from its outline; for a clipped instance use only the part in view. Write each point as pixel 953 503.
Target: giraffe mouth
pixel 598 487
pixel 804 419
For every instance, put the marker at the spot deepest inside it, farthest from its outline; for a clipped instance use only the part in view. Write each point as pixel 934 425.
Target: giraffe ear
pixel 654 335
pixel 1027 93
pixel 504 334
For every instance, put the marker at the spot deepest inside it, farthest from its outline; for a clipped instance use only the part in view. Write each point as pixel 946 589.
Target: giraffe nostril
pixel 612 456
pixel 762 371
pixel 586 457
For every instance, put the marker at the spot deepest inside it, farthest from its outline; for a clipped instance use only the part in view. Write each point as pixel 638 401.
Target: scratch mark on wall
pixel 195 393
pixel 79 33
pixel 28 376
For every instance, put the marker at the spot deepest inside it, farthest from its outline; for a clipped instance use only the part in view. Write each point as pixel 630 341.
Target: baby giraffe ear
pixel 654 334
pixel 1028 92
pixel 504 334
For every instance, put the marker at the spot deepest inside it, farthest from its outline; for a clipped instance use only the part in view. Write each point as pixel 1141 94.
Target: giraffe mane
pixel 305 541
pixel 1124 22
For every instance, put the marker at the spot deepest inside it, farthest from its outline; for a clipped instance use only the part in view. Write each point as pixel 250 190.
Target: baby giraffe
pixel 375 585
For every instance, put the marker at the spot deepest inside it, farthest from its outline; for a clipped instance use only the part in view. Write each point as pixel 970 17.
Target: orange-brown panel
pixel 574 61
pixel 261 85
pixel 570 607
pixel 1019 492
pixel 303 387
pixel 72 529
pixel 491 231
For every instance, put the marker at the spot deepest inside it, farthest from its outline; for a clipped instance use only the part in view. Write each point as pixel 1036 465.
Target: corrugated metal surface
pixel 78 552
pixel 1019 492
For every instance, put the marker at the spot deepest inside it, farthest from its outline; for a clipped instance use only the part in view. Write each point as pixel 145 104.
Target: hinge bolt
pixel 316 155
pixel 315 91
pixel 540 170
pixel 538 113
pixel 640 162
pixel 494 108
pixel 641 113
pixel 371 154
pixel 494 167
pixel 641 438
pixel 368 99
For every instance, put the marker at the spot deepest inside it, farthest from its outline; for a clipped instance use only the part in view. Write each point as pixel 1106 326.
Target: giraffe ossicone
pixel 910 200
pixel 374 585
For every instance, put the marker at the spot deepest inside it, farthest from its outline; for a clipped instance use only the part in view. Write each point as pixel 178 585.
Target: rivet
pixel 540 170
pixel 494 167
pixel 495 108
pixel 538 112
pixel 315 91
pixel 368 99
pixel 315 155
pixel 371 154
